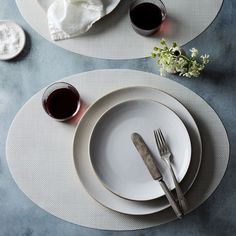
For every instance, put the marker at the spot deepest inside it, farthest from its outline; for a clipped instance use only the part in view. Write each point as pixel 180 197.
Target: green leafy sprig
pixel 174 60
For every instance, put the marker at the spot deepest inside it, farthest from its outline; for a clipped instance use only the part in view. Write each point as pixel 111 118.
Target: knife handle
pixel 171 199
pixel 182 200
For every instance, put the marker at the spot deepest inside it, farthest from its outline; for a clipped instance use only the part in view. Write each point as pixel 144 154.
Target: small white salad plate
pixel 11 45
pixel 115 159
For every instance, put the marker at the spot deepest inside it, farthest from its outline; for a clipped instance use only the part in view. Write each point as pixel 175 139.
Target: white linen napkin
pixel 70 18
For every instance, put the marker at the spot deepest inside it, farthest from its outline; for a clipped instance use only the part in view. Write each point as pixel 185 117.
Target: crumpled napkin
pixel 70 18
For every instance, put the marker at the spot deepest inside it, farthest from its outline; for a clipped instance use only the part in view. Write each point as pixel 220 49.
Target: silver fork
pixel 165 154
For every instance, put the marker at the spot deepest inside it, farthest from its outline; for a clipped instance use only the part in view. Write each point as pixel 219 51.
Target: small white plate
pixel 115 159
pixel 21 32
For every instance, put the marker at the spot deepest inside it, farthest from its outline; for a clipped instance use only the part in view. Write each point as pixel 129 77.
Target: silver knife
pixel 154 171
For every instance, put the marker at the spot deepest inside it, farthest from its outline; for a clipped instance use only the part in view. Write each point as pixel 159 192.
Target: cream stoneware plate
pixel 85 171
pixel 115 159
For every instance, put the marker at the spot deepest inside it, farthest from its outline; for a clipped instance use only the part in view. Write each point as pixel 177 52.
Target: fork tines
pixel 160 141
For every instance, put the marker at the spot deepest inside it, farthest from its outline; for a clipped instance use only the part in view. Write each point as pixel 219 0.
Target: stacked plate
pixel 108 164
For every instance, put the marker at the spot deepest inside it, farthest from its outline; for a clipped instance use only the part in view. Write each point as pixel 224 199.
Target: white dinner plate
pixel 109 5
pixel 85 170
pixel 115 159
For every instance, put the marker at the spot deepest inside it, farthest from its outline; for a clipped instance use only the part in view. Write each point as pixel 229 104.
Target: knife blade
pixel 151 164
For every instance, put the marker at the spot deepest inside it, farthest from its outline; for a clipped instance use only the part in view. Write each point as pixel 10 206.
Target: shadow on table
pixel 76 119
pixel 215 76
pixel 169 28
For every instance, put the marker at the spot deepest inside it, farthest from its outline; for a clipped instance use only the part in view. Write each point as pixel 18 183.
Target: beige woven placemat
pixel 41 162
pixel 113 36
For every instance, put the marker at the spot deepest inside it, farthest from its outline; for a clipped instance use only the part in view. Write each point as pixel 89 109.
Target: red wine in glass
pixel 147 16
pixel 61 101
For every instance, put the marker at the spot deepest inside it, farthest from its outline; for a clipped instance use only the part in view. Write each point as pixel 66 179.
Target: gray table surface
pixel 42 63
